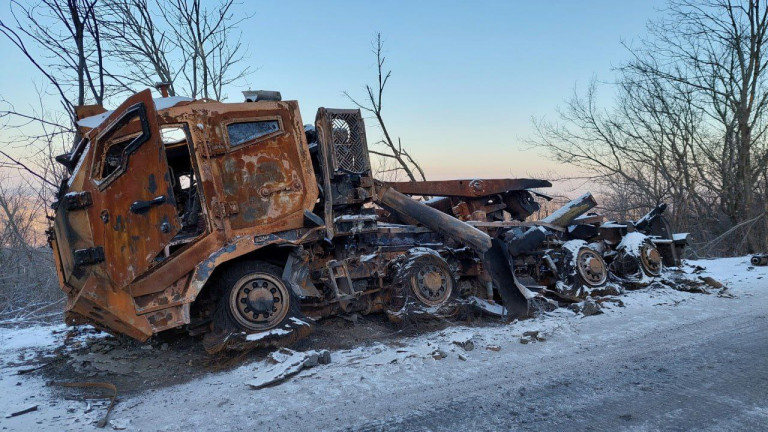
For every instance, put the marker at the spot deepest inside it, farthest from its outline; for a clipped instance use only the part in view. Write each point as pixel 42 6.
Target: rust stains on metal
pixel 469 188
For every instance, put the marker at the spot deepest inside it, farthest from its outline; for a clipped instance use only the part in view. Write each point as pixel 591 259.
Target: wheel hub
pixel 433 281
pixel 260 301
pixel 591 267
pixel 651 259
pixel 433 285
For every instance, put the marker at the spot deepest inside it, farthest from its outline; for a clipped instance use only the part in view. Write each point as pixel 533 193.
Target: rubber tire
pixel 405 287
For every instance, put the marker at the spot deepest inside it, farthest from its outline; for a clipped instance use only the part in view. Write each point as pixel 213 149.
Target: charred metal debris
pixel 238 222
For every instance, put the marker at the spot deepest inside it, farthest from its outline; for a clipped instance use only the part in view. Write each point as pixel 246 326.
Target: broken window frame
pixel 103 144
pixel 280 130
pixel 184 127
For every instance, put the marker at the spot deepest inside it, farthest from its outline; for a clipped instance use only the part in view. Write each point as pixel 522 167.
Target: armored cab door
pixel 264 166
pixel 134 213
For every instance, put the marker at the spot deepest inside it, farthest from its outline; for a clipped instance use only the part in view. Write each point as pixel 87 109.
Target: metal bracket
pixel 89 256
pixel 224 209
pixel 77 200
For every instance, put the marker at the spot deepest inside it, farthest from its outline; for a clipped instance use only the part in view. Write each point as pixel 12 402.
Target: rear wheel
pixel 582 271
pixel 424 280
pixel 650 259
pixel 638 260
pixel 591 267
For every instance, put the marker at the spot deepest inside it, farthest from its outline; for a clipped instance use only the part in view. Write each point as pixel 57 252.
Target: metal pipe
pixel 565 215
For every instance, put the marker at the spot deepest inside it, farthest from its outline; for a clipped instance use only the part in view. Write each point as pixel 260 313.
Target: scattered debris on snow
pixel 439 355
pixel 286 363
pixel 22 411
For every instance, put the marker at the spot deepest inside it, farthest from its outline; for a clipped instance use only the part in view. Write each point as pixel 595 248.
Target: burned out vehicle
pixel 232 218
pixel 237 221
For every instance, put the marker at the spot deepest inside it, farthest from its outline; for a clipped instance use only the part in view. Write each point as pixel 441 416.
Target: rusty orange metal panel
pixel 467 188
pixel 133 213
pixel 168 318
pixel 59 270
pixel 266 183
pixel 173 295
pixel 110 308
pixel 72 228
pixel 176 266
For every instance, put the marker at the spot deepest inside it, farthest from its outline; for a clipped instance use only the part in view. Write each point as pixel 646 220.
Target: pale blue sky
pixel 467 76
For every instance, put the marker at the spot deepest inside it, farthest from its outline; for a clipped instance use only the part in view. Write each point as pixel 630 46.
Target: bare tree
pixel 69 35
pixel 28 284
pixel 210 54
pixel 689 123
pixel 138 42
pixel 392 150
pixel 62 40
pixel 183 42
pixel 716 50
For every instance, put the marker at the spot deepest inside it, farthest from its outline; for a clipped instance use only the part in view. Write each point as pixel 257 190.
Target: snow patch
pixel 30 337
pixel 632 242
pixel 253 337
pixel 168 102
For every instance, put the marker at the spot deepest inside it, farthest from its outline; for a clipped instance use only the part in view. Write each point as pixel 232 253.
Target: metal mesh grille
pixel 348 143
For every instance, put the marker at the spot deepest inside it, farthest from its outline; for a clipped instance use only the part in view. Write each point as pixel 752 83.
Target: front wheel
pixel 254 302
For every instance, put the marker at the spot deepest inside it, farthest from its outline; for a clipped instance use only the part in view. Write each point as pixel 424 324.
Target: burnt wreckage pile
pixel 567 256
pixel 237 222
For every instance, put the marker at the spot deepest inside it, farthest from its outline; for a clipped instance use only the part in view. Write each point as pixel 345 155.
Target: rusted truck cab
pixel 163 191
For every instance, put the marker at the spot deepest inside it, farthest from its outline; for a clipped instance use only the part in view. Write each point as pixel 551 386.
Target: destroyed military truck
pixel 237 222
pixel 233 218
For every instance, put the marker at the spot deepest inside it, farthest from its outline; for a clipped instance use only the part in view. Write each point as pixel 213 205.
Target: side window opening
pixel 172 135
pixel 113 159
pixel 117 143
pixel 243 132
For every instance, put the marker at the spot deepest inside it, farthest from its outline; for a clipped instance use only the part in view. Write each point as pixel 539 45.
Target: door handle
pixel 140 207
pixel 266 191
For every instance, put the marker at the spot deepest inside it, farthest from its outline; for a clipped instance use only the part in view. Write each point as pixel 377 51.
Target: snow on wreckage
pixel 238 223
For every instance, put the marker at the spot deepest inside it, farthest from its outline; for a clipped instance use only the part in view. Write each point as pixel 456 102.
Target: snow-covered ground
pixel 377 384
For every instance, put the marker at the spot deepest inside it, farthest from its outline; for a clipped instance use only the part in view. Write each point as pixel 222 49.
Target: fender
pixel 243 245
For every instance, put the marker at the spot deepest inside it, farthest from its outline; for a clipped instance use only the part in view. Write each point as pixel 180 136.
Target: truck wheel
pixel 650 259
pixel 253 299
pixel 583 270
pixel 636 261
pixel 591 267
pixel 425 280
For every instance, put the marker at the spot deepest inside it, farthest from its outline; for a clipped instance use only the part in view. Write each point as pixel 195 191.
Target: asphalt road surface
pixel 703 374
